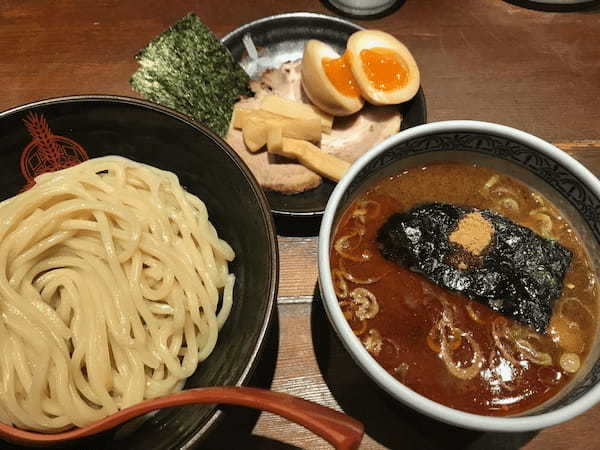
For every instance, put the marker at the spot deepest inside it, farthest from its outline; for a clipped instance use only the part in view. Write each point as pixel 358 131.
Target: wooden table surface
pixel 479 59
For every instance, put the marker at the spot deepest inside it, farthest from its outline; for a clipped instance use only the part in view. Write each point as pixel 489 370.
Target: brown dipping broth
pixel 444 346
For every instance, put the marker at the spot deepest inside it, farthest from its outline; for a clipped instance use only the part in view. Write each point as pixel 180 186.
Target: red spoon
pixel 340 430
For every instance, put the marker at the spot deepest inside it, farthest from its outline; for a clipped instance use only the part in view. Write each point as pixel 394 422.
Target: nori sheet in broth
pixel 520 274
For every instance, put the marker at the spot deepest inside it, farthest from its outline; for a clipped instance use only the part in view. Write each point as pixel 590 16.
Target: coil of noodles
pixel 113 287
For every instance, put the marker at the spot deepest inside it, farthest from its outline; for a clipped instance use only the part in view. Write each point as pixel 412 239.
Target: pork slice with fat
pixel 350 138
pixel 272 172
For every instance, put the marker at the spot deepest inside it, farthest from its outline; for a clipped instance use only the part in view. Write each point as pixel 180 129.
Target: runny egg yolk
pixel 339 73
pixel 383 68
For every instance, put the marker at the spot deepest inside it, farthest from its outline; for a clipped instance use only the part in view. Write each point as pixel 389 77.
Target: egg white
pixel 367 39
pixel 317 86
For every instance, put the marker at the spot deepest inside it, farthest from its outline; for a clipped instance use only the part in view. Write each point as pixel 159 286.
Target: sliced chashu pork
pixel 350 138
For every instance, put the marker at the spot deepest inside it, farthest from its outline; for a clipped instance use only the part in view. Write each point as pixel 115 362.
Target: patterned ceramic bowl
pixel 540 165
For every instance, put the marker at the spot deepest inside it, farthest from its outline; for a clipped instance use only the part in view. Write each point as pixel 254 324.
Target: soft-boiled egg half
pixel 328 81
pixel 384 69
pixel 375 66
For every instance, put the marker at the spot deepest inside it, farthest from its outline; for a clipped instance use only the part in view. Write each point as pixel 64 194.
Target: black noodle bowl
pixel 97 126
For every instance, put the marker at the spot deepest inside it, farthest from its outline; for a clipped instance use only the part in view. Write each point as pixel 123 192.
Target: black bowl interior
pixel 543 173
pixel 206 167
pixel 281 38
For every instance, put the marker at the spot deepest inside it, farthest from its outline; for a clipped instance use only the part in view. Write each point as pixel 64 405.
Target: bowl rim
pixel 363 358
pixel 239 31
pixel 263 209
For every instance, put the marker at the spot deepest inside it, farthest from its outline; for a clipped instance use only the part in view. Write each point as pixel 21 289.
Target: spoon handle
pixel 340 430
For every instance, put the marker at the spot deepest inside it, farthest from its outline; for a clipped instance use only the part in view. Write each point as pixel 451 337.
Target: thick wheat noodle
pixel 113 286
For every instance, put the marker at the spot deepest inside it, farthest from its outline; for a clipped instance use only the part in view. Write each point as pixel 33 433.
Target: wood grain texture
pixel 480 59
pixel 298 268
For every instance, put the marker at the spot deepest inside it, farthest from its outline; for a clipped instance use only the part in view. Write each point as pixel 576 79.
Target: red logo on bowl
pixel 47 152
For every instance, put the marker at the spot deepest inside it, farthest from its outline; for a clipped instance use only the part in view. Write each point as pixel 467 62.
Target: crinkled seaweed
pixel 520 274
pixel 186 68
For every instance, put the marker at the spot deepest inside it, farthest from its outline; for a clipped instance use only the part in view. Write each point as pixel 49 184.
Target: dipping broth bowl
pixel 572 188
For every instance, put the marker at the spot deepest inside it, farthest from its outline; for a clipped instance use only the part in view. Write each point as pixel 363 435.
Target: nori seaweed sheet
pixel 520 274
pixel 186 68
